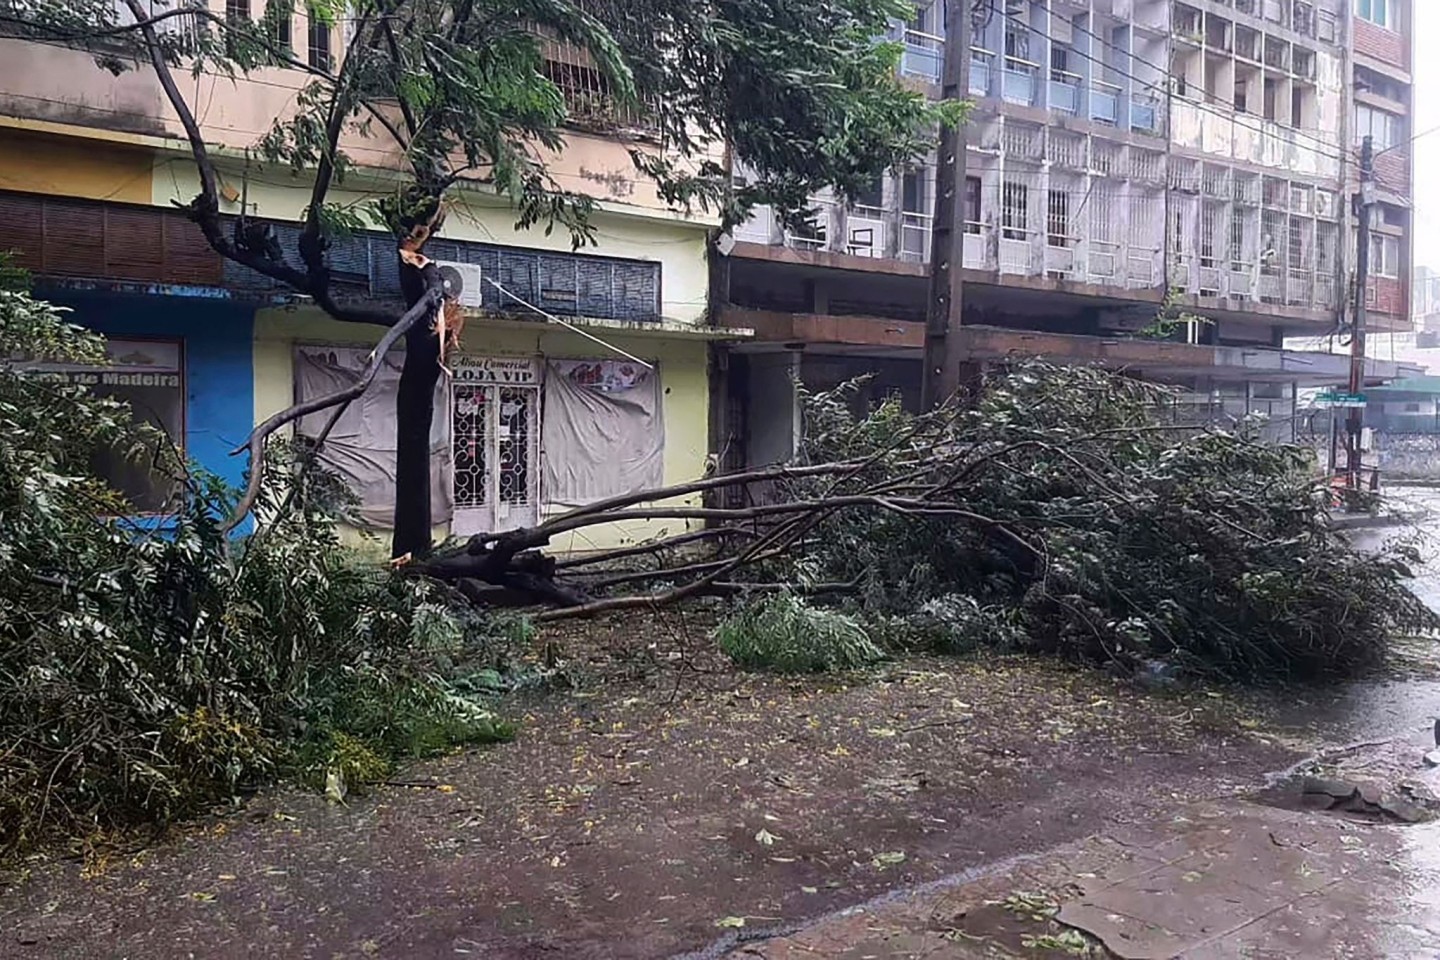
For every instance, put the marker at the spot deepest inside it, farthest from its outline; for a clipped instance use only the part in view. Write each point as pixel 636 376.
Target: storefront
pixel 515 438
pixel 184 367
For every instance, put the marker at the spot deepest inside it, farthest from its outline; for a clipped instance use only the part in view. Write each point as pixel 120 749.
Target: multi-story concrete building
pixel 1123 156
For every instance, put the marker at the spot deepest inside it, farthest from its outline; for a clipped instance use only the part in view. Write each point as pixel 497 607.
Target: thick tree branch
pixel 255 444
pixel 652 547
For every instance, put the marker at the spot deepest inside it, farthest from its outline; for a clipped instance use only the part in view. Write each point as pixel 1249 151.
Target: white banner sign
pixel 607 376
pixel 133 363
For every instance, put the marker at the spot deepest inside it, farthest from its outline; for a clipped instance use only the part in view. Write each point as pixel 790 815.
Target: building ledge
pixel 1160 359
pixel 1392 70
pixel 775 253
pixel 773 326
pixel 667 329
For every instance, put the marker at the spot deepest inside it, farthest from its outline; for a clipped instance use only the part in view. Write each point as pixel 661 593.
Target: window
pixel 1385 256
pixel 1299 246
pixel 914 192
pixel 149 376
pixel 1412 408
pixel 281 34
pixel 1209 216
pixel 1014 217
pixel 237 10
pixel 1387 129
pixel 1017 43
pixel 1382 13
pixel 925 19
pixel 972 205
pixel 873 195
pixel 319 44
pixel 1057 219
pixel 1237 239
pixel 1380 86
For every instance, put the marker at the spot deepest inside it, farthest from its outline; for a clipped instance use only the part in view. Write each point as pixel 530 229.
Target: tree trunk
pixel 414 414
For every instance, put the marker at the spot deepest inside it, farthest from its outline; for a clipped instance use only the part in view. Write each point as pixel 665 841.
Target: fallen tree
pixel 146 673
pixel 1061 503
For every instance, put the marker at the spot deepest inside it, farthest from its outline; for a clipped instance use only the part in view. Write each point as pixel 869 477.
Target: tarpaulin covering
pixel 602 433
pixel 361 447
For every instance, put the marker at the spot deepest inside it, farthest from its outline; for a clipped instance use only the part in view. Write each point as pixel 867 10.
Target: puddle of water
pixel 1413 933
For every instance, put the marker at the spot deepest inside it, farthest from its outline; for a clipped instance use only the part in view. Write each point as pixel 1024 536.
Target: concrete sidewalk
pixel 1215 880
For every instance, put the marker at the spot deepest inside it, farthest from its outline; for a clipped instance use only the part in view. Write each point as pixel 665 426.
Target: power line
pixel 1406 143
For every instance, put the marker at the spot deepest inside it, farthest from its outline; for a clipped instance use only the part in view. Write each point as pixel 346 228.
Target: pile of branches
pixel 1059 509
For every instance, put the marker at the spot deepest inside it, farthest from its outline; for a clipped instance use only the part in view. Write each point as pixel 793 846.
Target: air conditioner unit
pixel 463 282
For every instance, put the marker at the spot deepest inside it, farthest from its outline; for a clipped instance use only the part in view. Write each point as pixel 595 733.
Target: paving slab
pixel 1233 879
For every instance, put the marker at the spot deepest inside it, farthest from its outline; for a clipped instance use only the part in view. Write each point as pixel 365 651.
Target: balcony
pixel 1105 102
pixel 1065 91
pixel 975 252
pixel 1019 81
pixel 1145 114
pixel 915 236
pixel 866 231
pixel 922 56
pixel 982 72
pixel 1015 251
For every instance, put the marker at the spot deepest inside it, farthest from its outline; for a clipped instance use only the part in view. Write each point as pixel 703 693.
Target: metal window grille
pixel 1299 248
pixel 589 100
pixel 1144 231
pixel 564 284
pixel 1057 219
pixel 1237 239
pixel 1014 210
pixel 1209 227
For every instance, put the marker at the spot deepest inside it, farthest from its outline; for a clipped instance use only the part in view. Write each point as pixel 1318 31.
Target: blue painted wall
pixel 219 366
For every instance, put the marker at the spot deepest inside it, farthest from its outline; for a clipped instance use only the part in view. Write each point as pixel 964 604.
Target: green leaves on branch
pixel 146 673
pixel 1110 534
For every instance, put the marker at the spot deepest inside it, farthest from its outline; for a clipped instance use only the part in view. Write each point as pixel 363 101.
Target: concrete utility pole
pixel 943 355
pixel 1355 422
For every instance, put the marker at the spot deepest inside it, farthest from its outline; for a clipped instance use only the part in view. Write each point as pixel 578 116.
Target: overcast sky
pixel 1427 148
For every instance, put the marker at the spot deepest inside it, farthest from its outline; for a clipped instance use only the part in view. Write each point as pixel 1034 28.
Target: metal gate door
pixel 495 450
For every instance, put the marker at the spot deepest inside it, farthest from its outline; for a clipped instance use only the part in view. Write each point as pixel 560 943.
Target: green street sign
pixel 1331 399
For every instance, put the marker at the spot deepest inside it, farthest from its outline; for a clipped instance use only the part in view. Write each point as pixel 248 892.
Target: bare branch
pixel 654 546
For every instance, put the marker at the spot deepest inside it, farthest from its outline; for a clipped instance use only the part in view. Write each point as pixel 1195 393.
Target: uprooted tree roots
pixel 1061 504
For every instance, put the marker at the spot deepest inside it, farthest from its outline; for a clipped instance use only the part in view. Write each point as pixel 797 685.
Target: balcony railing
pixel 1140 266
pixel 923 55
pixel 1104 263
pixel 866 230
pixel 975 252
pixel 982 72
pixel 1018 83
pixel 1145 114
pixel 1015 250
pixel 1065 91
pixel 1105 102
pixel 1060 255
pixel 915 235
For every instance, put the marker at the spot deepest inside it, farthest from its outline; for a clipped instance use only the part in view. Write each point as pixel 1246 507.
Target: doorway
pixel 495 445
